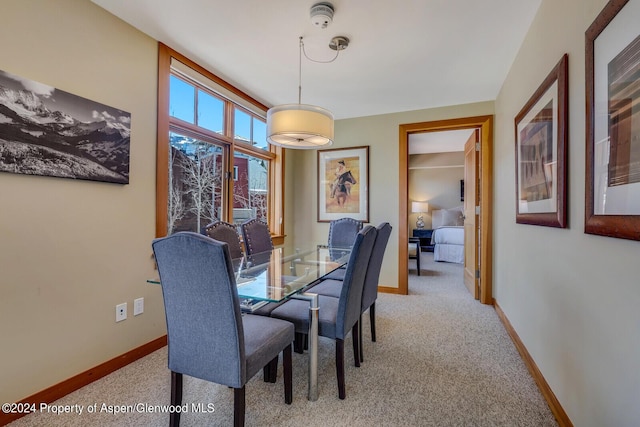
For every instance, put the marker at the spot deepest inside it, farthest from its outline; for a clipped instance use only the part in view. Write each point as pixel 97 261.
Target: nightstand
pixel 424 234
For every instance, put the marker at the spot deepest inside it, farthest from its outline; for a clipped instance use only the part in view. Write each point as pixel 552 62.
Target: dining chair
pixel 333 287
pixel 342 233
pixel 256 236
pixel 228 233
pixel 337 316
pixel 207 336
pixel 372 279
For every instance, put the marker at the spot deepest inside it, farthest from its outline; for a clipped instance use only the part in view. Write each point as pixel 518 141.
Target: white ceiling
pixel 438 142
pixel 404 55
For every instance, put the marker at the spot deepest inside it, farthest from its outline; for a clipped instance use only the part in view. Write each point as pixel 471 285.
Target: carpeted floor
pixel 442 359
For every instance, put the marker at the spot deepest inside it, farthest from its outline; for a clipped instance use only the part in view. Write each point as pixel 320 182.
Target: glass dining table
pixel 280 274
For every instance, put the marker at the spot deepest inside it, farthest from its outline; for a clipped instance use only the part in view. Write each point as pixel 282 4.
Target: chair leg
pixel 360 339
pixel 356 343
pixel 238 407
pixel 298 343
pixel 270 371
pixel 176 398
pixel 372 318
pixel 287 367
pixel 340 367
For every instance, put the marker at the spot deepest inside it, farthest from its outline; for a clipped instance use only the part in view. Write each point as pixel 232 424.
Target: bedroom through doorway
pixel 445 169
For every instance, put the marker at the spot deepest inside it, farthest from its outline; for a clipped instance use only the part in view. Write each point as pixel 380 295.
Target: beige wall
pixel 435 178
pixel 573 298
pixel 72 250
pixel 380 133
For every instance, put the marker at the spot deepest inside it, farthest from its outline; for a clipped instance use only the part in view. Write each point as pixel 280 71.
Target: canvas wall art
pixel 49 132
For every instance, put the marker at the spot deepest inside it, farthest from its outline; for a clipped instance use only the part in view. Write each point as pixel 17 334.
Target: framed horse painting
pixel 343 184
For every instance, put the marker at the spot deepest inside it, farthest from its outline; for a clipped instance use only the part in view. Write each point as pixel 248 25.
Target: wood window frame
pixel 275 155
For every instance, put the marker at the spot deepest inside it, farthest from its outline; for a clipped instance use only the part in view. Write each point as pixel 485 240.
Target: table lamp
pixel 419 208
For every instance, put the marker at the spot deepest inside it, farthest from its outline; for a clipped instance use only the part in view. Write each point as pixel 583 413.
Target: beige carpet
pixel 442 359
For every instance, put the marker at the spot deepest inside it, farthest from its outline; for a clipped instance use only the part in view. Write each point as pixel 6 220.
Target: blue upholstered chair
pixel 337 316
pixel 256 236
pixel 343 231
pixel 333 287
pixel 342 234
pixel 370 291
pixel 228 233
pixel 207 335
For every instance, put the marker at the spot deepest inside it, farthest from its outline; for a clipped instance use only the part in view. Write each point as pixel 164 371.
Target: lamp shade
pixel 419 207
pixel 299 126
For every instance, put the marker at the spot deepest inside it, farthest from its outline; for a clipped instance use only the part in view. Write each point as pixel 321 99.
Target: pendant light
pixel 299 126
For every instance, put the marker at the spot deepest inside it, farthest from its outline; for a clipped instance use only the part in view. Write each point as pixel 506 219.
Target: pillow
pixel 447 218
pixel 436 218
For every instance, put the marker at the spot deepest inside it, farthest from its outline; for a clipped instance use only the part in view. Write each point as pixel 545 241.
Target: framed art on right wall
pixel 541 152
pixel 612 66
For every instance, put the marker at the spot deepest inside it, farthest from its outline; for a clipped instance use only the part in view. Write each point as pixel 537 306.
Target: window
pixel 210 112
pixel 250 129
pixel 195 183
pixel 182 96
pixel 213 158
pixel 251 189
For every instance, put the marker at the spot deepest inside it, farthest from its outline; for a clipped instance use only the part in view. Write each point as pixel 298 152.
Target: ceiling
pixel 403 55
pixel 438 142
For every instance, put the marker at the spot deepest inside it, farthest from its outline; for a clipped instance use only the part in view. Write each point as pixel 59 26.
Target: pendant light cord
pixel 301 52
pixel 300 71
pixel 313 60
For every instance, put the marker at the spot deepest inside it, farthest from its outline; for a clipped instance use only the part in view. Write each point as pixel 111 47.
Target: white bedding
pixel 449 244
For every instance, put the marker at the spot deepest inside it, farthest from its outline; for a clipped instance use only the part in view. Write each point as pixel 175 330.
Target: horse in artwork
pixel 341 187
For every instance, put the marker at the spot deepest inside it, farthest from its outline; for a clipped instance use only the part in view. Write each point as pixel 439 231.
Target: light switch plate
pixel 138 306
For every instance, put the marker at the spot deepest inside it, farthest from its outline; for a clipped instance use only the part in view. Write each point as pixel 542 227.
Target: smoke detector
pixel 321 14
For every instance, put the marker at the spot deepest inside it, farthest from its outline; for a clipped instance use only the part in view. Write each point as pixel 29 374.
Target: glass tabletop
pixel 274 275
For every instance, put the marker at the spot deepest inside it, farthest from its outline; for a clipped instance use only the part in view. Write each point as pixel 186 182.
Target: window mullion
pixel 195 106
pixel 228 120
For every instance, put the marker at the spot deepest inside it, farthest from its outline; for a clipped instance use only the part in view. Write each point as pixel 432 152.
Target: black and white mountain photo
pixel 50 132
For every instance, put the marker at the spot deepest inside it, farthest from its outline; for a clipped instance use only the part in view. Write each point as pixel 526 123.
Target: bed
pixel 448 235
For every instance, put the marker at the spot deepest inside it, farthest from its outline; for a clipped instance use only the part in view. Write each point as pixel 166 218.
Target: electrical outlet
pixel 138 306
pixel 121 312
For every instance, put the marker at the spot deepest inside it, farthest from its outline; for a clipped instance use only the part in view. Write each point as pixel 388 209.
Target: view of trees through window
pixel 195 183
pixel 198 175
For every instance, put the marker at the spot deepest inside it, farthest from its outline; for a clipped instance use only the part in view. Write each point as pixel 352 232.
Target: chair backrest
pixel 343 231
pixel 256 237
pixel 351 295
pixel 228 233
pixel 370 290
pixel 204 323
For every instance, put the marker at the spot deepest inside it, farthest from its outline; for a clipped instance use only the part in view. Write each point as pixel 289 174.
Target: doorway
pixel 484 173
